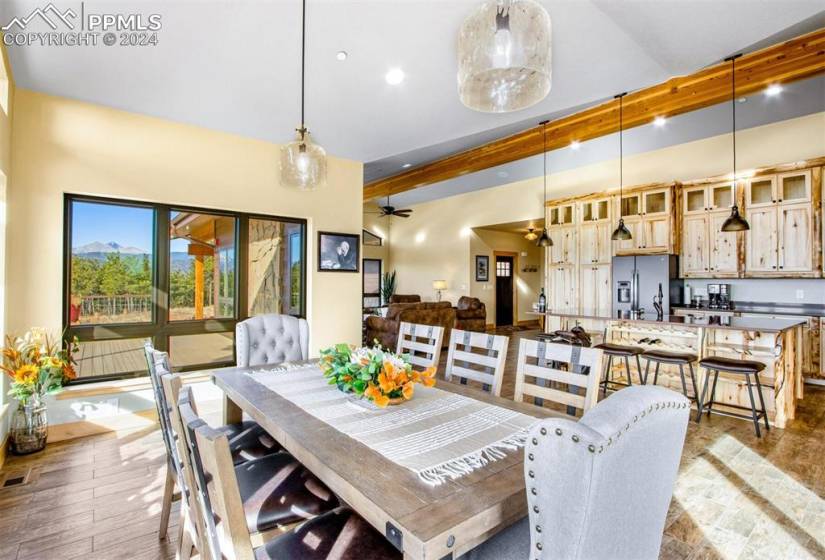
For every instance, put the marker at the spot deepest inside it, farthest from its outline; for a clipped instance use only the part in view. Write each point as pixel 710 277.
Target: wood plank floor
pixel 736 497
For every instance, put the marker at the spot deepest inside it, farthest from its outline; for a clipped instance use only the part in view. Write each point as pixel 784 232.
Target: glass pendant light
pixel 504 56
pixel 544 240
pixel 303 162
pixel 735 222
pixel 531 235
pixel 621 233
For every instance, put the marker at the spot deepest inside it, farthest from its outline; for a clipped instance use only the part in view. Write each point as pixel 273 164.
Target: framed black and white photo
pixel 482 268
pixel 338 252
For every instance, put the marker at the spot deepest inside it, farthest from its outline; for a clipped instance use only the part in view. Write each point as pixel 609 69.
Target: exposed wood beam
pixel 796 59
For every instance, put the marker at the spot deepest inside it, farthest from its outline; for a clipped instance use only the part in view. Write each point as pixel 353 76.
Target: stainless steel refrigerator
pixel 636 281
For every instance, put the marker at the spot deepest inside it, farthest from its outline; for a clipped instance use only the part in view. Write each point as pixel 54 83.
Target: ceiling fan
pixel 388 210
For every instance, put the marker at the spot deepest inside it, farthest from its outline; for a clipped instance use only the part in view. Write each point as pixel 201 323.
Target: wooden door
pixel 761 240
pixel 795 238
pixel 723 245
pixel 601 293
pixel 695 245
pixel 656 231
pixel 603 243
pixel 504 290
pixel 563 250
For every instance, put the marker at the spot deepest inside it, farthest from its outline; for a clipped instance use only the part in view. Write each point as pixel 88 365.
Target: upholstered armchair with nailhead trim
pixel 271 339
pixel 600 487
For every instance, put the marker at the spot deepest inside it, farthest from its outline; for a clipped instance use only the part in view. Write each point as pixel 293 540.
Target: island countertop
pixel 765 325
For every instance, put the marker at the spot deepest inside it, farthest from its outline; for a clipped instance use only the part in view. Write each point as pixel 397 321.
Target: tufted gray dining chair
pixel 271 339
pixel 600 487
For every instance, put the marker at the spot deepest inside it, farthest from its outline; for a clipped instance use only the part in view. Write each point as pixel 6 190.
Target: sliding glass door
pixel 180 276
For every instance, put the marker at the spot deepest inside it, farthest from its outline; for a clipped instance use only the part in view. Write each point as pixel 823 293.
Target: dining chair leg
pixel 166 506
pixel 606 375
pixel 185 543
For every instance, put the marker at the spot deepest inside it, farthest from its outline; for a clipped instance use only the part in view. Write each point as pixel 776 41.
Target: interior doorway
pixel 505 281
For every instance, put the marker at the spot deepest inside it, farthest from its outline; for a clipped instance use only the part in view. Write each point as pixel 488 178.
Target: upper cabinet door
pixel 595 210
pixel 695 246
pixel 760 192
pixel 656 231
pixel 588 243
pixel 794 187
pixel 721 197
pixel 563 250
pixel 723 246
pixel 562 215
pixel 761 240
pixel 695 200
pixel 604 243
pixel 795 238
pixel 656 203
pixel 632 245
pixel 631 206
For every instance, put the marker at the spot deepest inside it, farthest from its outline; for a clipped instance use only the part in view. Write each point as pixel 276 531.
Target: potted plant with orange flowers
pixel 382 377
pixel 37 364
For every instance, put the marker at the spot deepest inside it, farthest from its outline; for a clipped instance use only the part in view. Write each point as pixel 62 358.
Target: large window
pixel 180 276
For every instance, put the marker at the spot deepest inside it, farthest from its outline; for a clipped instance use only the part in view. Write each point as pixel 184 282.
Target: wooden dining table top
pixel 424 521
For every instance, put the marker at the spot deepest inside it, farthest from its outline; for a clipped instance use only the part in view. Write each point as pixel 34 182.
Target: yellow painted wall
pixel 63 146
pixel 435 242
pixel 526 285
pixel 6 112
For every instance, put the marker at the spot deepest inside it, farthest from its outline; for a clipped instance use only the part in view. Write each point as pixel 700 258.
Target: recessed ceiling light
pixel 394 76
pixel 406 165
pixel 659 121
pixel 574 145
pixel 742 99
pixel 773 90
pixel 503 174
pixel 341 55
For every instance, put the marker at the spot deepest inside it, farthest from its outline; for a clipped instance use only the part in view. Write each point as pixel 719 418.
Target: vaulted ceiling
pixel 234 66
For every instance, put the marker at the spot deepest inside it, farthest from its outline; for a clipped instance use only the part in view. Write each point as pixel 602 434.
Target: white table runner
pixel 439 435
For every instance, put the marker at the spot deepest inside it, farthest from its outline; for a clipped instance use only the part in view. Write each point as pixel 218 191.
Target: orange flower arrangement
pixel 37 364
pixel 382 377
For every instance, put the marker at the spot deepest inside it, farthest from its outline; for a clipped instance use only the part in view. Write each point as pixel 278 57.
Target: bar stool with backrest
pixel 227 498
pixel 619 351
pixel 733 366
pixel 680 359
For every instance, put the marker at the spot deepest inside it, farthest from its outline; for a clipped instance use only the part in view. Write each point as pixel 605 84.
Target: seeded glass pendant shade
pixel 621 233
pixel 735 222
pixel 504 56
pixel 303 163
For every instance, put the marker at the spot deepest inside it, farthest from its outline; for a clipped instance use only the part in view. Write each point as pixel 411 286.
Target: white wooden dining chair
pixel 421 342
pixel 538 369
pixel 476 356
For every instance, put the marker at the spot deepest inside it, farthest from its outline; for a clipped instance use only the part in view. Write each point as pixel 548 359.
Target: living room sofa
pixel 385 329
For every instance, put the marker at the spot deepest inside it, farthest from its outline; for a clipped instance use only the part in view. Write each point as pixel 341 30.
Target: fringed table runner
pixel 439 435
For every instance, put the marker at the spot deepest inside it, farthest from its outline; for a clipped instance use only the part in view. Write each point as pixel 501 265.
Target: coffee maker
pixel 719 296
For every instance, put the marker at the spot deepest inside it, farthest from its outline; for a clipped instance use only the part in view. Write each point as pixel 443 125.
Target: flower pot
pixel 29 427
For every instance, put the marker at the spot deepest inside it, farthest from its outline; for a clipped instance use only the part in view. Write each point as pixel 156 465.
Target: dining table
pixel 423 521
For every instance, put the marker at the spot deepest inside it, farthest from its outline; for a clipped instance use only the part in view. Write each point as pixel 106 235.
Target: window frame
pixel 160 328
pixel 364 294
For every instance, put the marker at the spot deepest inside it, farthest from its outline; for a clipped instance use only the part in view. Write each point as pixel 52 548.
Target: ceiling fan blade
pixel 404 211
pixel 402 215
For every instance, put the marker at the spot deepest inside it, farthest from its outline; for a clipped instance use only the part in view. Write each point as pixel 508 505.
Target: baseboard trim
pixel 83 428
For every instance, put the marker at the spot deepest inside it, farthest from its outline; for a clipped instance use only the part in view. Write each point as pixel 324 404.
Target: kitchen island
pixel 775 342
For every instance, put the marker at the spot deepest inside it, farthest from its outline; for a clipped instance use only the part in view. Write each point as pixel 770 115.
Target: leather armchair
pixel 471 314
pixel 271 339
pixel 385 329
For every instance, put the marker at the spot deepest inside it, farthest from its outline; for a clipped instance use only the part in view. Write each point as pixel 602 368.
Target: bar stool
pixel 619 351
pixel 734 366
pixel 681 359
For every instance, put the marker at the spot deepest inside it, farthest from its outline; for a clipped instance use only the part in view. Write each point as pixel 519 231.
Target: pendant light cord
pixel 733 105
pixel 303 56
pixel 544 132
